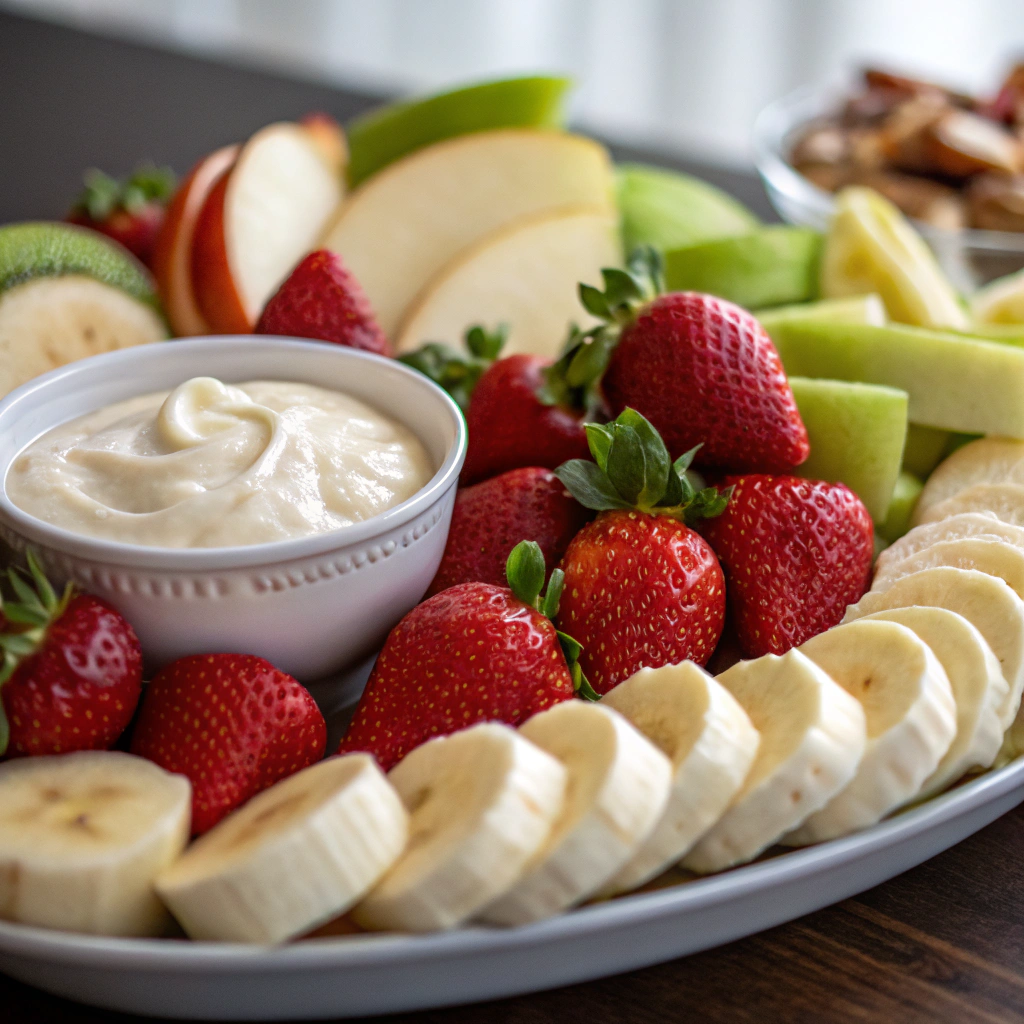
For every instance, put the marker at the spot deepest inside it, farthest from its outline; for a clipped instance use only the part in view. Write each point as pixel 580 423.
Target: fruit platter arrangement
pixel 735 564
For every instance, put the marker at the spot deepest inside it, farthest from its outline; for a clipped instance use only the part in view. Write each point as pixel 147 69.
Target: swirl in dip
pixel 213 465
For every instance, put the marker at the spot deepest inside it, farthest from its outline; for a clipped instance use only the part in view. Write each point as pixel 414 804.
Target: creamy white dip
pixel 213 465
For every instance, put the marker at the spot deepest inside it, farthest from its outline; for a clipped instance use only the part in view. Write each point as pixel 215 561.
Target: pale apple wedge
pixel 260 218
pixel 399 229
pixel 172 256
pixel 526 276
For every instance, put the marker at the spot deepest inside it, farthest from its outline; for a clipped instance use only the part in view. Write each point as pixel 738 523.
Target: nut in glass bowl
pixel 970 256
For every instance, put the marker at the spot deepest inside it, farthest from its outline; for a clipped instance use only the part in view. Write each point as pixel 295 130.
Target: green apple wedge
pixel 856 433
pixel 860 309
pixel 66 293
pixel 954 383
pixel 1008 334
pixel 382 136
pixel 901 509
pixel 770 267
pixel 925 449
pixel 670 210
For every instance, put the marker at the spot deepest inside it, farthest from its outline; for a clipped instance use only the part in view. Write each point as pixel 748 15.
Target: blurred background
pixel 688 76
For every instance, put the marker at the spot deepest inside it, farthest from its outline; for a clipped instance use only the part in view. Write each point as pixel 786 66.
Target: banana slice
pixel 979 689
pixel 985 601
pixel 1004 501
pixel 989 460
pixel 482 803
pixel 958 527
pixel 618 785
pixel 995 557
pixel 711 743
pixel 82 837
pixel 911 721
pixel 813 735
pixel 292 858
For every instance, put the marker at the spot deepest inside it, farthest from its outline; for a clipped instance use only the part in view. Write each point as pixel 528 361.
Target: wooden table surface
pixel 941 943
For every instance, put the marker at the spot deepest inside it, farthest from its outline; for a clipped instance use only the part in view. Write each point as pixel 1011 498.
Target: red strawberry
pixel 473 653
pixel 130 212
pixel 510 426
pixel 71 678
pixel 702 370
pixel 492 517
pixel 322 300
pixel 641 587
pixel 795 552
pixel 233 724
pixel 520 410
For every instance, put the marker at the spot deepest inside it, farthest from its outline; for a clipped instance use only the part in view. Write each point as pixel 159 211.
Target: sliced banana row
pixel 921 684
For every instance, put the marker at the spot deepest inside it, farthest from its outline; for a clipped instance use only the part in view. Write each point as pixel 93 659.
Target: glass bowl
pixel 970 257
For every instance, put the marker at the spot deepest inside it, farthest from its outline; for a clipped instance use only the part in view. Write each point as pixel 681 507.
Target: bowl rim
pixel 775 124
pixel 38 532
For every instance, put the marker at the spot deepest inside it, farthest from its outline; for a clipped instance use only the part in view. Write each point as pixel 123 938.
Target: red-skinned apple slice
pixel 172 256
pixel 260 218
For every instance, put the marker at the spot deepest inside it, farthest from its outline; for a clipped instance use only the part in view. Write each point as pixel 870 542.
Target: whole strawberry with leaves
pixel 795 553
pixel 701 369
pixel 130 212
pixel 520 410
pixel 490 518
pixel 472 653
pixel 71 673
pixel 641 586
pixel 233 724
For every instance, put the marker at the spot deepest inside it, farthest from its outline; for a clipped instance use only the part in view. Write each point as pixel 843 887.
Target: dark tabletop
pixel 941 943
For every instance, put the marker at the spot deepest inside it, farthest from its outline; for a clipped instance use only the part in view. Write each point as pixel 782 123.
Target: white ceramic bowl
pixel 312 606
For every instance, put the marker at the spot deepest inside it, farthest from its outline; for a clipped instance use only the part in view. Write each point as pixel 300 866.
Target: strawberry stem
pixel 573 381
pixel 36 608
pixel 458 372
pixel 525 571
pixel 632 469
pixel 103 194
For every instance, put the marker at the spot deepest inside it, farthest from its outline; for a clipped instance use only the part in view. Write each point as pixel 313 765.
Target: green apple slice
pixel 385 135
pixel 400 229
pixel 1001 301
pixel 872 247
pixel 1008 334
pixel 525 275
pixel 901 509
pixel 67 293
pixel 860 309
pixel 770 267
pixel 856 433
pixel 954 383
pixel 670 210
pixel 925 449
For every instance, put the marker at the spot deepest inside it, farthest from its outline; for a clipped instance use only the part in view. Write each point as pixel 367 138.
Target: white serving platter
pixel 362 974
